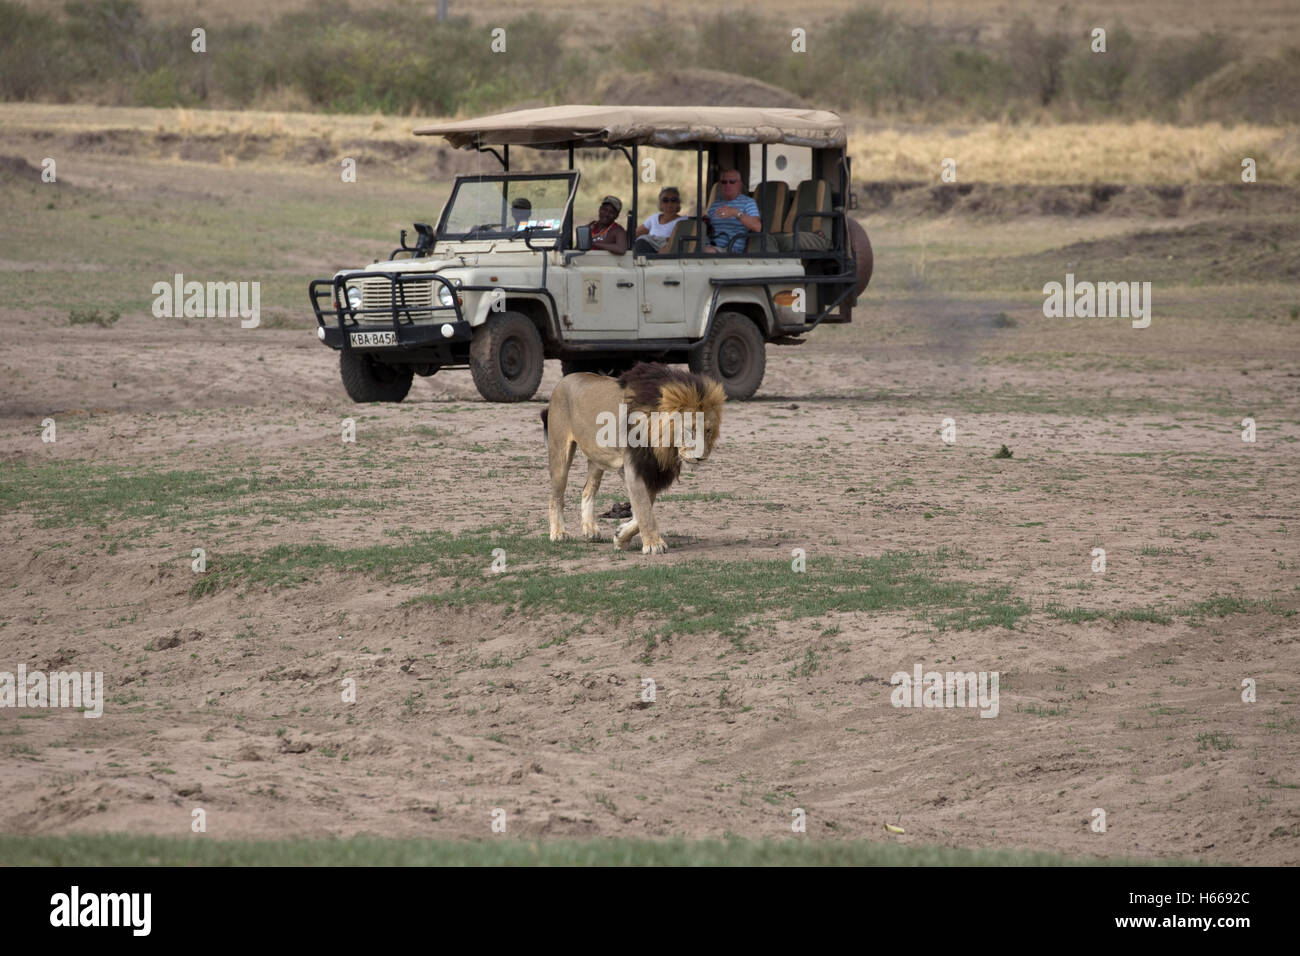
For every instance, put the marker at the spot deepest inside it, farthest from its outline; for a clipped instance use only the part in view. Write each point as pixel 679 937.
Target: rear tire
pixel 734 354
pixel 368 380
pixel 506 358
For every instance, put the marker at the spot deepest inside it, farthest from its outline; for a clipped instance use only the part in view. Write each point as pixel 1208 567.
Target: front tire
pixel 734 353
pixel 368 380
pixel 506 358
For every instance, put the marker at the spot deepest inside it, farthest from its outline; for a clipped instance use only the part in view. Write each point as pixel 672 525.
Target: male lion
pixel 645 441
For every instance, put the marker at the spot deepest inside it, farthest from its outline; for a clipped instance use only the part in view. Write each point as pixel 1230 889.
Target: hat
pixel 521 203
pixel 615 202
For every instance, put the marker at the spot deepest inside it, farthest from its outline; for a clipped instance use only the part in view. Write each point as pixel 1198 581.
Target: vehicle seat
pixel 682 238
pixel 812 195
pixel 772 198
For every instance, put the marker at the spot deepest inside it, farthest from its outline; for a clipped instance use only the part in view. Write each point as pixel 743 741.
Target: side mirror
pixel 425 241
pixel 584 238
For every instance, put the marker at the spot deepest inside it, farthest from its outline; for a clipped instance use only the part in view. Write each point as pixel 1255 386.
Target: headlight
pixel 444 295
pixel 354 297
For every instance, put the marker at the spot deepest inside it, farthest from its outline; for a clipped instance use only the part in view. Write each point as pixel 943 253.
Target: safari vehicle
pixel 499 286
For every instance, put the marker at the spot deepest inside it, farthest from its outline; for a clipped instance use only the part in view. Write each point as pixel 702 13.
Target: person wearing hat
pixel 606 233
pixel 521 210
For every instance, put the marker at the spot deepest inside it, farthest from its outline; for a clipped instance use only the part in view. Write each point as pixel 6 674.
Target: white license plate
pixel 371 339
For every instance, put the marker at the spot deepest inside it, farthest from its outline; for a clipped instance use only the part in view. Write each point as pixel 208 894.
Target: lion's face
pixel 690 422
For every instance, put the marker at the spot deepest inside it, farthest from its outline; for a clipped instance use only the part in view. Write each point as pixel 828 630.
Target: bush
pixel 399 59
pixel 1100 79
pixel 1263 90
pixel 1038 60
pixel 29 45
pixel 1176 65
pixel 974 78
pixel 161 87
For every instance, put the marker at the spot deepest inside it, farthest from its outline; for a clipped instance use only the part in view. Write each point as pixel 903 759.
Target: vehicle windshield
pixel 501 206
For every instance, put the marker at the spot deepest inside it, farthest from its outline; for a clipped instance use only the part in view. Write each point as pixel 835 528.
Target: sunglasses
pixel 730 181
pixel 670 199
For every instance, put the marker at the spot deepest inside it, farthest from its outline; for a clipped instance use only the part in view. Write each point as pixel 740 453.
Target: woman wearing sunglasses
pixel 653 234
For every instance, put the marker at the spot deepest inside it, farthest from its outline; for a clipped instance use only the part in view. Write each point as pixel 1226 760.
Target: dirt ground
pixel 1120 690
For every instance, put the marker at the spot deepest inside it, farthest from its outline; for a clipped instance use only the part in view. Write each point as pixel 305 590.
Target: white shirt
pixel 661 230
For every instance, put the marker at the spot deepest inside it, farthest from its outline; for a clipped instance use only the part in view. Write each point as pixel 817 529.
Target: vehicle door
pixel 663 297
pixel 604 295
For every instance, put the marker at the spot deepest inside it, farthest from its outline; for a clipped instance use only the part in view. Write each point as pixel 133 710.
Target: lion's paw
pixel 560 536
pixel 659 547
pixel 592 534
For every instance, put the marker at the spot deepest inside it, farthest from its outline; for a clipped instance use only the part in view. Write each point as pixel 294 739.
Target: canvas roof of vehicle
pixel 558 127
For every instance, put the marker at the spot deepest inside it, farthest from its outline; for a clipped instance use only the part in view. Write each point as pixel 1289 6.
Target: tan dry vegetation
pixel 1139 152
pixel 81 118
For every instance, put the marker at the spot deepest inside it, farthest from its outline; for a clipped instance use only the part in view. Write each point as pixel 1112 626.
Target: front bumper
pixel 431 331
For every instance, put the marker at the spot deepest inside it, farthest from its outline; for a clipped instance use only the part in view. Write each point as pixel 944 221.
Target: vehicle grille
pixel 378 294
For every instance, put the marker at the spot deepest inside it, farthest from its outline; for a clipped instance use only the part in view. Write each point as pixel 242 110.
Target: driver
pixel 521 210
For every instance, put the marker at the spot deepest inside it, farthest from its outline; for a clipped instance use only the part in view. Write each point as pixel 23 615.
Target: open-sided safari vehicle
pixel 500 285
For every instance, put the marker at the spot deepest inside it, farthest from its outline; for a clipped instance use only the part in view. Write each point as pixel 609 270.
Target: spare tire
pixel 861 253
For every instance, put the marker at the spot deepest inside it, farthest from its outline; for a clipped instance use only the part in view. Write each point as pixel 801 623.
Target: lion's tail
pixel 545 412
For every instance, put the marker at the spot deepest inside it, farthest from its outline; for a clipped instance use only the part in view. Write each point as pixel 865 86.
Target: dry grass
pixel 78 118
pixel 1140 152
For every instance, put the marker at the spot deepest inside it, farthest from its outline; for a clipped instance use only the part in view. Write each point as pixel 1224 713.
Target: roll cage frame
pixel 838 260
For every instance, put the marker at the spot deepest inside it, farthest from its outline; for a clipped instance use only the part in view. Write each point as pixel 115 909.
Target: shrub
pixel 29 45
pixel 1099 79
pixel 1038 60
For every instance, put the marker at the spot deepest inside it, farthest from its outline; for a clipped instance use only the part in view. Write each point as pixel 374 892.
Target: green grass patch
pixel 93 317
pixel 416 557
pixel 726 596
pixel 689 598
pixel 126 850
pixel 1214 741
pixel 75 492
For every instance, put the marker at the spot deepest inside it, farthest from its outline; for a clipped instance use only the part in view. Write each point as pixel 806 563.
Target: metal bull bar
pixel 399 310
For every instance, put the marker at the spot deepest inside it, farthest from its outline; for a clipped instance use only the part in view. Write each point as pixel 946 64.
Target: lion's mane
pixel 654 387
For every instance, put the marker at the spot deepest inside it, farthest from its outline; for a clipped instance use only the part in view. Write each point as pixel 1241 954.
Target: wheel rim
pixel 512 359
pixel 732 357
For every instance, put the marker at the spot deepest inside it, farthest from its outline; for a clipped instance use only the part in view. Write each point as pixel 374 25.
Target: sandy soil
pixel 574 750
pixel 231 702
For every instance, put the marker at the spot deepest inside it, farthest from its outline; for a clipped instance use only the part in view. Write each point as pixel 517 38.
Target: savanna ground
pixel 522 690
